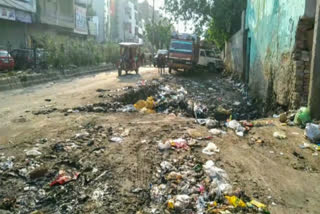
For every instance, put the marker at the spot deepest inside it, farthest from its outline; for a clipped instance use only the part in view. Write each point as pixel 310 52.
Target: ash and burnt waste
pixel 217 100
pixel 191 98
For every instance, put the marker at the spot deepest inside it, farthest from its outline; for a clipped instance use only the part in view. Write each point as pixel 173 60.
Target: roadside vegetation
pixel 63 51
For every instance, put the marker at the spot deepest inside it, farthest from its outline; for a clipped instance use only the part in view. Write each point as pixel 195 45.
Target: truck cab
pixel 210 59
pixel 182 52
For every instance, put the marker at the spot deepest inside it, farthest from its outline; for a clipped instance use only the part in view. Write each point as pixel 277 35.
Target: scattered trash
pixel 283 118
pixel 33 153
pixel 237 103
pixel 312 132
pixel 211 123
pixel 235 125
pixel 235 201
pixel 164 146
pixel 279 135
pixel 211 149
pixel 218 177
pixel 276 116
pixel 147 106
pixel 7 164
pixel 302 117
pixel 116 139
pixel 217 132
pixel 179 144
pixel 258 204
pixel 64 178
pixel 128 108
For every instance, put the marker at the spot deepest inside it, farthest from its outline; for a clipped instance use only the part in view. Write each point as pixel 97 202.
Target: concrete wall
pixel 310 10
pixel 57 12
pixel 272 26
pixel 234 52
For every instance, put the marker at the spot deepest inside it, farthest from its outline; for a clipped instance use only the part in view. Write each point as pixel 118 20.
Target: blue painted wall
pixel 272 26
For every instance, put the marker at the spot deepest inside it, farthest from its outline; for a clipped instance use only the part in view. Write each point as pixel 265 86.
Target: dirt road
pixel 16 106
pixel 117 156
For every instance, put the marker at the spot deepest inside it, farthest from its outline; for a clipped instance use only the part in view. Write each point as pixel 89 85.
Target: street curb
pixel 26 80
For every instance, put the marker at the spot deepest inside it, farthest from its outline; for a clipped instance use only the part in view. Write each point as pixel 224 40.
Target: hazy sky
pixel 179 26
pixel 158 3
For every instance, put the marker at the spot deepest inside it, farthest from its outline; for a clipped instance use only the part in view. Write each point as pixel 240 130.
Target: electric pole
pixel 153 30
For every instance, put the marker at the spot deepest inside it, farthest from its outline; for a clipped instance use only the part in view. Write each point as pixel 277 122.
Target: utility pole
pixel 314 90
pixel 153 30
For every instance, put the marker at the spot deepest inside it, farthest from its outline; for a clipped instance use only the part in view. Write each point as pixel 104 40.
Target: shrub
pixel 64 51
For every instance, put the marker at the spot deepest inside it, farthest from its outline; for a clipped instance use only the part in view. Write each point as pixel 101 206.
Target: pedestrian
pixel 150 59
pixel 142 59
pixel 161 63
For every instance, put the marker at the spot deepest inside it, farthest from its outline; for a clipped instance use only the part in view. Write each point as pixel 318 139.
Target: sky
pixel 180 26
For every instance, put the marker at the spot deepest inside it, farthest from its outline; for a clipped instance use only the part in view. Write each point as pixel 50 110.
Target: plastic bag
pixel 235 201
pixel 147 106
pixel 302 117
pixel 164 146
pixel 217 132
pixel 235 125
pixel 211 149
pixel 220 181
pixel 312 132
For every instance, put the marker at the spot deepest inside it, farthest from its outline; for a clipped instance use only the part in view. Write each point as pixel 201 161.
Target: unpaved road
pixel 276 172
pixel 63 94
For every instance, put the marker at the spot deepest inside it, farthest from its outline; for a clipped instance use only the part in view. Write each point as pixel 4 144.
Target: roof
pixel 130 44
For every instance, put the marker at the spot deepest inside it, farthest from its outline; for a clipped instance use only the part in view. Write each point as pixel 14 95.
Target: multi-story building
pixel 124 16
pixel 67 17
pixel 15 16
pixel 20 20
pixel 102 10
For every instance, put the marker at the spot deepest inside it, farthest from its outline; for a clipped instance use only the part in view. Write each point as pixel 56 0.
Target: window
pixel 202 53
pixel 210 54
pixel 183 46
pixel 4 53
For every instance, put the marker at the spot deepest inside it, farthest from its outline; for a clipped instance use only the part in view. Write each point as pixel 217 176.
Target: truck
pixel 187 52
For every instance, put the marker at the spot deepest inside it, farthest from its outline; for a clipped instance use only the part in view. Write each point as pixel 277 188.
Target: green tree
pixel 222 18
pixel 159 34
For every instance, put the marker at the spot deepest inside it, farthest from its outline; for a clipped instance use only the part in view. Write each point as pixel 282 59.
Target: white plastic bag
pixel 235 125
pixel 211 149
pixel 217 132
pixel 312 132
pixel 164 146
pixel 220 181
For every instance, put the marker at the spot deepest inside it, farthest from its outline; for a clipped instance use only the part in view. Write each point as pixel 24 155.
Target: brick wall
pixel 301 62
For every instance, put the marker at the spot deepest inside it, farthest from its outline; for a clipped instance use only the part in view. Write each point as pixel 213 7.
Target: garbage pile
pixel 189 99
pixel 62 176
pixel 186 185
pixel 301 118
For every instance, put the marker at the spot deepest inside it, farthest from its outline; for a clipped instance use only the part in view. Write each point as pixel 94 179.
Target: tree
pixel 222 18
pixel 161 32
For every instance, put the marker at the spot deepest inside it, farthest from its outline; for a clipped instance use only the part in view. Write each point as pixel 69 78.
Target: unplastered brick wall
pixel 301 62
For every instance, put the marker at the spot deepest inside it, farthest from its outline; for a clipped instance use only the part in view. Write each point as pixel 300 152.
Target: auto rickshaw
pixel 129 57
